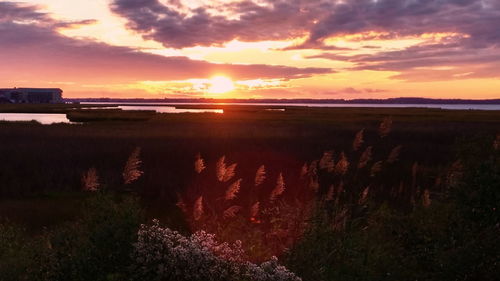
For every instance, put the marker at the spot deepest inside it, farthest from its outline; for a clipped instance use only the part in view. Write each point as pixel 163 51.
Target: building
pixel 31 95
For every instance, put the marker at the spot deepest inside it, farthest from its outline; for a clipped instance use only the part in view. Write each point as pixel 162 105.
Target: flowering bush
pixel 269 270
pixel 164 254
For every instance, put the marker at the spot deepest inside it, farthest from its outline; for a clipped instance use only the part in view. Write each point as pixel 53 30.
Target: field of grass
pixel 37 159
pixel 41 172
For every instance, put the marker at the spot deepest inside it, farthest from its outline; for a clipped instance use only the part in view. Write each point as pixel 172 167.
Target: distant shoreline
pixel 293 101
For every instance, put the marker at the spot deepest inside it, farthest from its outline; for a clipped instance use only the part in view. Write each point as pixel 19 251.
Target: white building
pixel 32 95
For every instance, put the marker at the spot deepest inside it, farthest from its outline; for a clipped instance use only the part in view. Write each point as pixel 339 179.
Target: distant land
pixel 292 101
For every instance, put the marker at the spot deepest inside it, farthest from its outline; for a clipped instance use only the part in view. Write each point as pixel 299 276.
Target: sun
pixel 220 85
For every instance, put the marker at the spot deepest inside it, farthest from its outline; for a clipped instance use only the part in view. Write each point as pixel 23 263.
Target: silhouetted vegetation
pixel 451 234
pixel 337 193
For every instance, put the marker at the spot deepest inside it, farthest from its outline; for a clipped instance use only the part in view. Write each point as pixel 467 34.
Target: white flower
pixel 161 253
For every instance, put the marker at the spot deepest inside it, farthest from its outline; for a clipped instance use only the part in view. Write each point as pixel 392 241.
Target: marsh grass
pixel 359 214
pixel 445 233
pixel 132 170
pixel 271 212
pixel 38 159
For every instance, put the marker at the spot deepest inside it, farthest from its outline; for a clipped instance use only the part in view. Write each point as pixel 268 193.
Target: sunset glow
pixel 220 85
pixel 266 49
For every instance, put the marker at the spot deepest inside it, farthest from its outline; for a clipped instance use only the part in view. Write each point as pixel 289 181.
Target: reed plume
pixel 304 171
pixel 394 155
pixel 231 212
pixel 232 190
pixel 223 172
pixel 385 127
pixel 199 164
pixel 181 204
pixel 364 196
pixel 90 180
pixel 279 189
pixel 326 161
pixel 366 157
pixel 358 140
pixel 132 171
pixel 220 168
pixel 254 210
pixel 260 175
pixel 343 165
pixel 376 168
pixel 198 208
pixel 229 173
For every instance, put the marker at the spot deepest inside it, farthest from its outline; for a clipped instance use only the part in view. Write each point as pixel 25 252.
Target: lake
pixel 170 107
pixel 167 109
pixel 51 118
pixel 42 118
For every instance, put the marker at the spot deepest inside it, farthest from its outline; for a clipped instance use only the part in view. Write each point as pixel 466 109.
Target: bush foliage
pixel 454 238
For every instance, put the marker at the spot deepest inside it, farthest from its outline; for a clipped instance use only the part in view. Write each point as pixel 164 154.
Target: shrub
pixel 98 246
pixel 16 252
pixel 163 254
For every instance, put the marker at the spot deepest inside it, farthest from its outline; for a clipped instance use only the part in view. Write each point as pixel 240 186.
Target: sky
pixel 320 49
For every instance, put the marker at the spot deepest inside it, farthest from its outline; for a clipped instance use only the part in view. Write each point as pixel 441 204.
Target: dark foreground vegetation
pixel 336 194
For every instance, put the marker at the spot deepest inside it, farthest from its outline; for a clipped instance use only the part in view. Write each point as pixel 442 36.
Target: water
pixel 42 118
pixel 51 118
pixel 165 107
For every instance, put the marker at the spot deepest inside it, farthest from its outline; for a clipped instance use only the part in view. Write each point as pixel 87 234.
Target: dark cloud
pixel 31 49
pixel 332 56
pixel 75 24
pixel 428 62
pixel 315 46
pixel 410 17
pixel 475 21
pixel 17 11
pixel 279 19
pixel 473 53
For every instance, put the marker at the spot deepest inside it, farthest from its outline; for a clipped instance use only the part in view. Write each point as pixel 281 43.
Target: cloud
pixel 477 18
pixel 474 51
pixel 75 24
pixel 425 62
pixel 17 11
pixel 176 25
pixel 315 46
pixel 351 90
pixel 32 49
pixel 474 23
